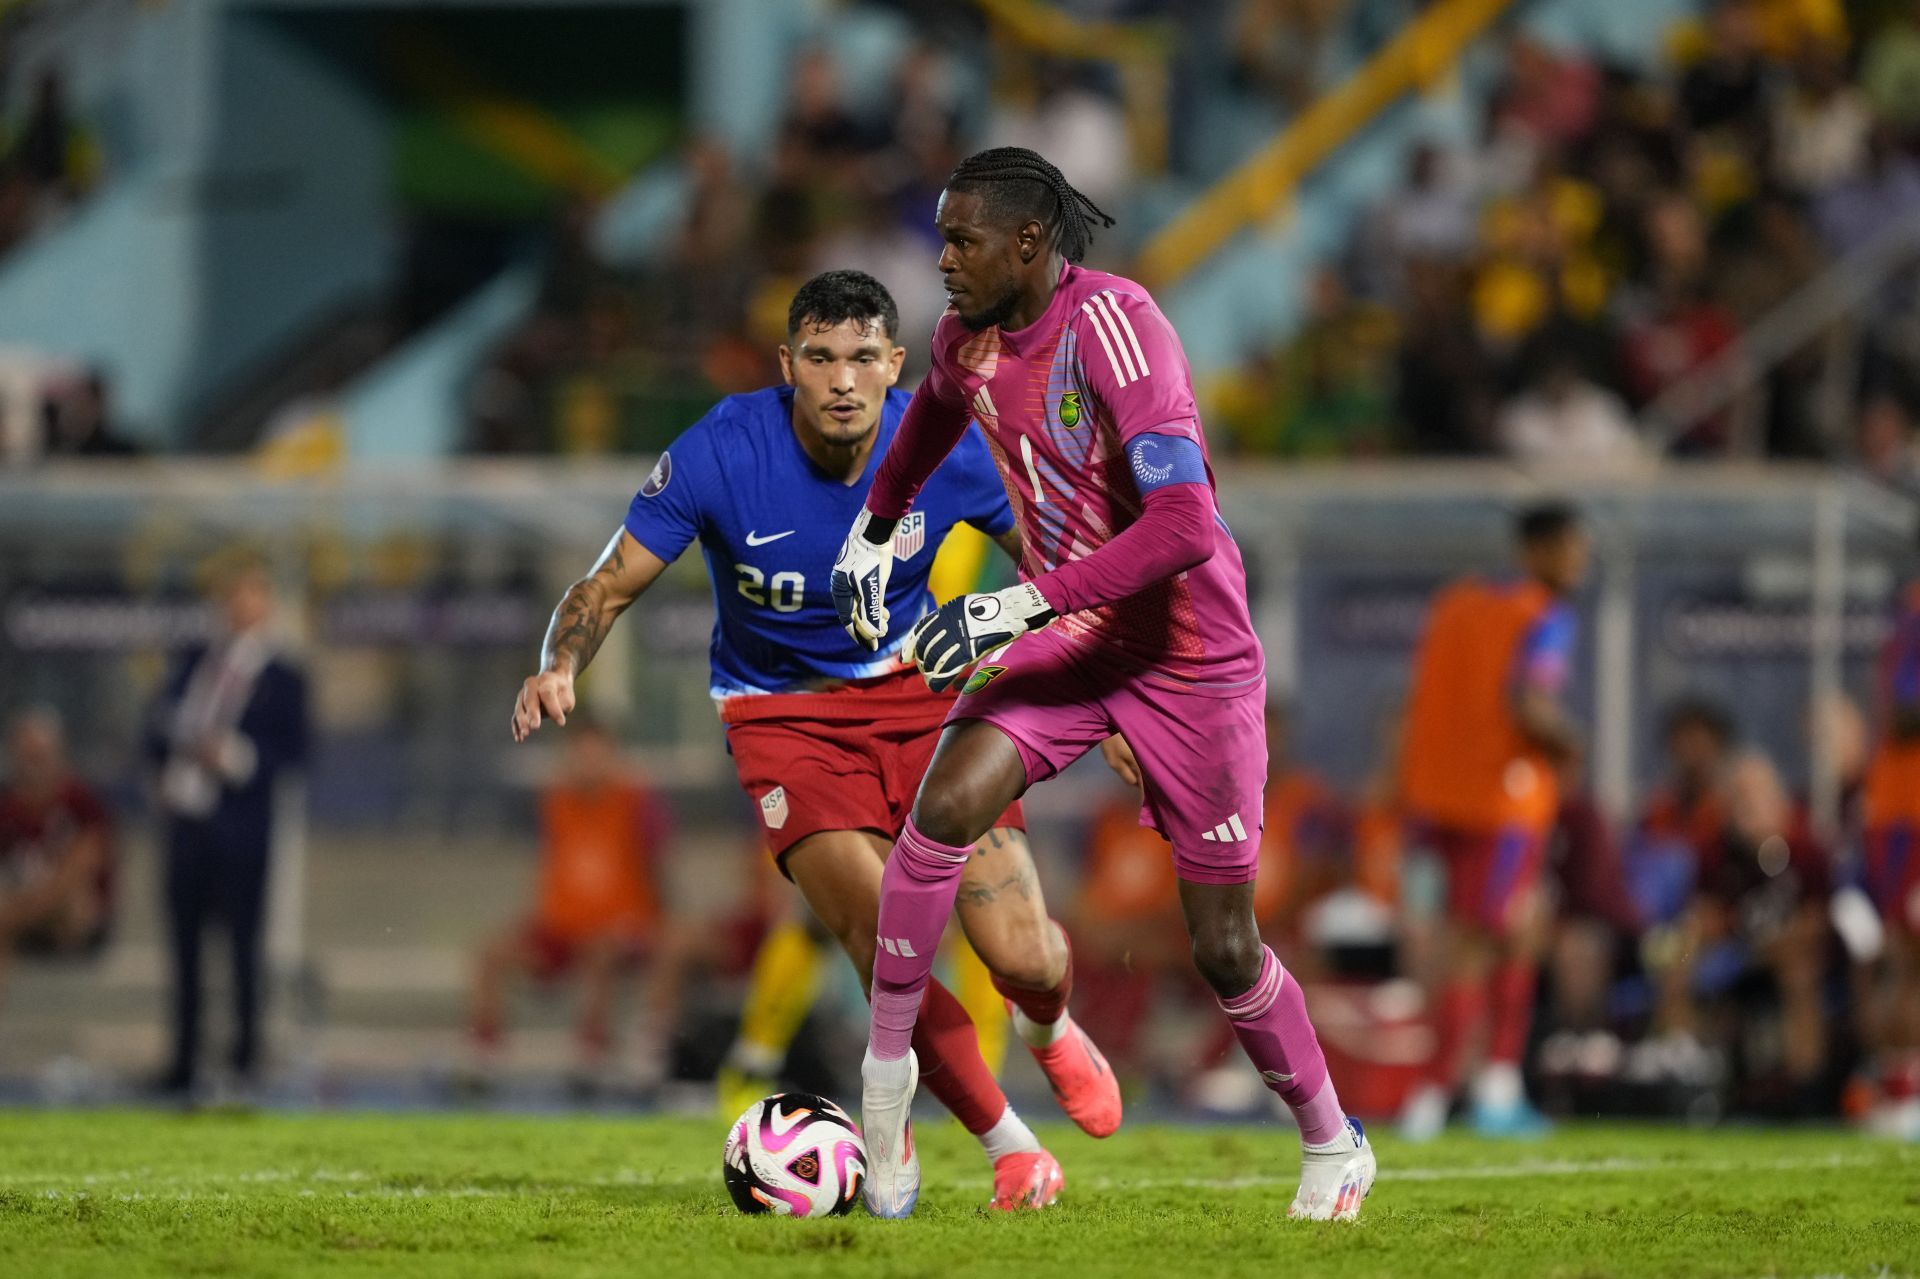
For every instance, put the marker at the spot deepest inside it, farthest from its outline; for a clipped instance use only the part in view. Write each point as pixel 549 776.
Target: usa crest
pixel 910 536
pixel 1070 409
pixel 773 808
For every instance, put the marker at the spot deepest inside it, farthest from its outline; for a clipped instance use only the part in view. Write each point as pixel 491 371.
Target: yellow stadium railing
pixel 514 129
pixel 1416 59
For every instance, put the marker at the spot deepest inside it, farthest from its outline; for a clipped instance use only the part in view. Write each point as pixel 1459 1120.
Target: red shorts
pixel 554 953
pixel 847 759
pixel 1487 871
pixel 1893 873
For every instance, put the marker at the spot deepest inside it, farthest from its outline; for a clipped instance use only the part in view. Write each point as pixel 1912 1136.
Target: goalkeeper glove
pixel 859 580
pixel 964 629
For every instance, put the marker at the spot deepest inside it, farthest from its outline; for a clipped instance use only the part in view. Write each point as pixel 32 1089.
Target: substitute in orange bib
pixel 1486 734
pixel 597 910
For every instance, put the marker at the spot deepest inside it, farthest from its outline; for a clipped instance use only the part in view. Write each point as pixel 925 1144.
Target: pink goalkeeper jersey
pixel 1058 401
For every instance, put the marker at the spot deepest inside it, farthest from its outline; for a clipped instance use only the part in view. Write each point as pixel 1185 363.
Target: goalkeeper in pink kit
pixel 1131 618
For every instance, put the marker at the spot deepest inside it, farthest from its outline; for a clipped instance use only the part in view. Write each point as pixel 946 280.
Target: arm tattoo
pixel 978 892
pixel 975 893
pixel 1021 881
pixel 581 623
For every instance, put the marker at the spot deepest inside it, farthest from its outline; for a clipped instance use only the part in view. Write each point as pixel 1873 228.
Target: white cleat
pixel 892 1185
pixel 1334 1182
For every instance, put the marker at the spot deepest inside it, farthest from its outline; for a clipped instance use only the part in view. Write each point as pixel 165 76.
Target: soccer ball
pixel 795 1155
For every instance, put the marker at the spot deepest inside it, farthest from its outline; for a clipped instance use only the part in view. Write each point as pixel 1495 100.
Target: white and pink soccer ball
pixel 795 1155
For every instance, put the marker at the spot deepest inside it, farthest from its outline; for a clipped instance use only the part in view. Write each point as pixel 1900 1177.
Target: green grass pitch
pixel 125 1194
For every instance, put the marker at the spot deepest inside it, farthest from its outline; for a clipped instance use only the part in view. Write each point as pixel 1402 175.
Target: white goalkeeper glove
pixel 945 642
pixel 859 580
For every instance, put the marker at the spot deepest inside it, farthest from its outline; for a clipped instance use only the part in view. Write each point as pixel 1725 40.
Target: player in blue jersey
pixel 829 737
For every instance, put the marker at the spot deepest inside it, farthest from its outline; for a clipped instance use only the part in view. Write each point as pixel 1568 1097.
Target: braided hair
pixel 1018 184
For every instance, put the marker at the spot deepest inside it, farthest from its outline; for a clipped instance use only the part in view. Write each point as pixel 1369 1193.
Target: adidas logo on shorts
pixel 1227 832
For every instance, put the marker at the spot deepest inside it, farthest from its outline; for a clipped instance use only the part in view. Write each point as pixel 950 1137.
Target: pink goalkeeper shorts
pixel 1203 753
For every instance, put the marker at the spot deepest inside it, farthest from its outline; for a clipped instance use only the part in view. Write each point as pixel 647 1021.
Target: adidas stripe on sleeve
pixel 1133 363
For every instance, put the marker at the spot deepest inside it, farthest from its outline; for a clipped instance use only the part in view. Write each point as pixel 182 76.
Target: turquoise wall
pixel 245 197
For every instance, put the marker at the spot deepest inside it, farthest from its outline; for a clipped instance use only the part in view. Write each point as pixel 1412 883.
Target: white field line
pixel 132 1184
pixel 1478 1172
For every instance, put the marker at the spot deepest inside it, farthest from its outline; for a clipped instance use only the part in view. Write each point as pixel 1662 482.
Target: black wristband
pixel 878 531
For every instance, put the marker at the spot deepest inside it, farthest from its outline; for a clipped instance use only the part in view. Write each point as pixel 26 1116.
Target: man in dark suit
pixel 232 717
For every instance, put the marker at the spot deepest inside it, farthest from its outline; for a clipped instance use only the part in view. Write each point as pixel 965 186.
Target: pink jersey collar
pixel 1050 318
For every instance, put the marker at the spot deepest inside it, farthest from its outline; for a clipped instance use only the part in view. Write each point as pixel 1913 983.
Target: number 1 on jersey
pixel 1033 471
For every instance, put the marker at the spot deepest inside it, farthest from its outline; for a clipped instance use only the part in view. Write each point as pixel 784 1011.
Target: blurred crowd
pixel 57 409
pixel 49 161
pixel 1569 289
pixel 621 354
pixel 1565 289
pixel 621 358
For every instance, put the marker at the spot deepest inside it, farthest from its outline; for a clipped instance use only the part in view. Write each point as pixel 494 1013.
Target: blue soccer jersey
pixel 770 524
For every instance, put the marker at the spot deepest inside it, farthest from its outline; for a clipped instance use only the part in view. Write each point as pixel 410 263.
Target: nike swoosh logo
pixel 782 1124
pixel 754 539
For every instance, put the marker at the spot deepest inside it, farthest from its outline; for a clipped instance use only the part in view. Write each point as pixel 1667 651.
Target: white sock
pixel 891 1075
pixel 1039 1034
pixel 1498 1086
pixel 1342 1141
pixel 1009 1136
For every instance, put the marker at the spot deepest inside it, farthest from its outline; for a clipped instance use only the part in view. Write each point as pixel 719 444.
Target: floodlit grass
pixel 128 1194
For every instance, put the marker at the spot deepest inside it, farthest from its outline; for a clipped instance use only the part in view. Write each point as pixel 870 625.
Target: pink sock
pixel 1271 1021
pixel 916 896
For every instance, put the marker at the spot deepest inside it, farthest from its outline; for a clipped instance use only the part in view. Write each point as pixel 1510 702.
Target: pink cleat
pixel 1029 1180
pixel 1082 1081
